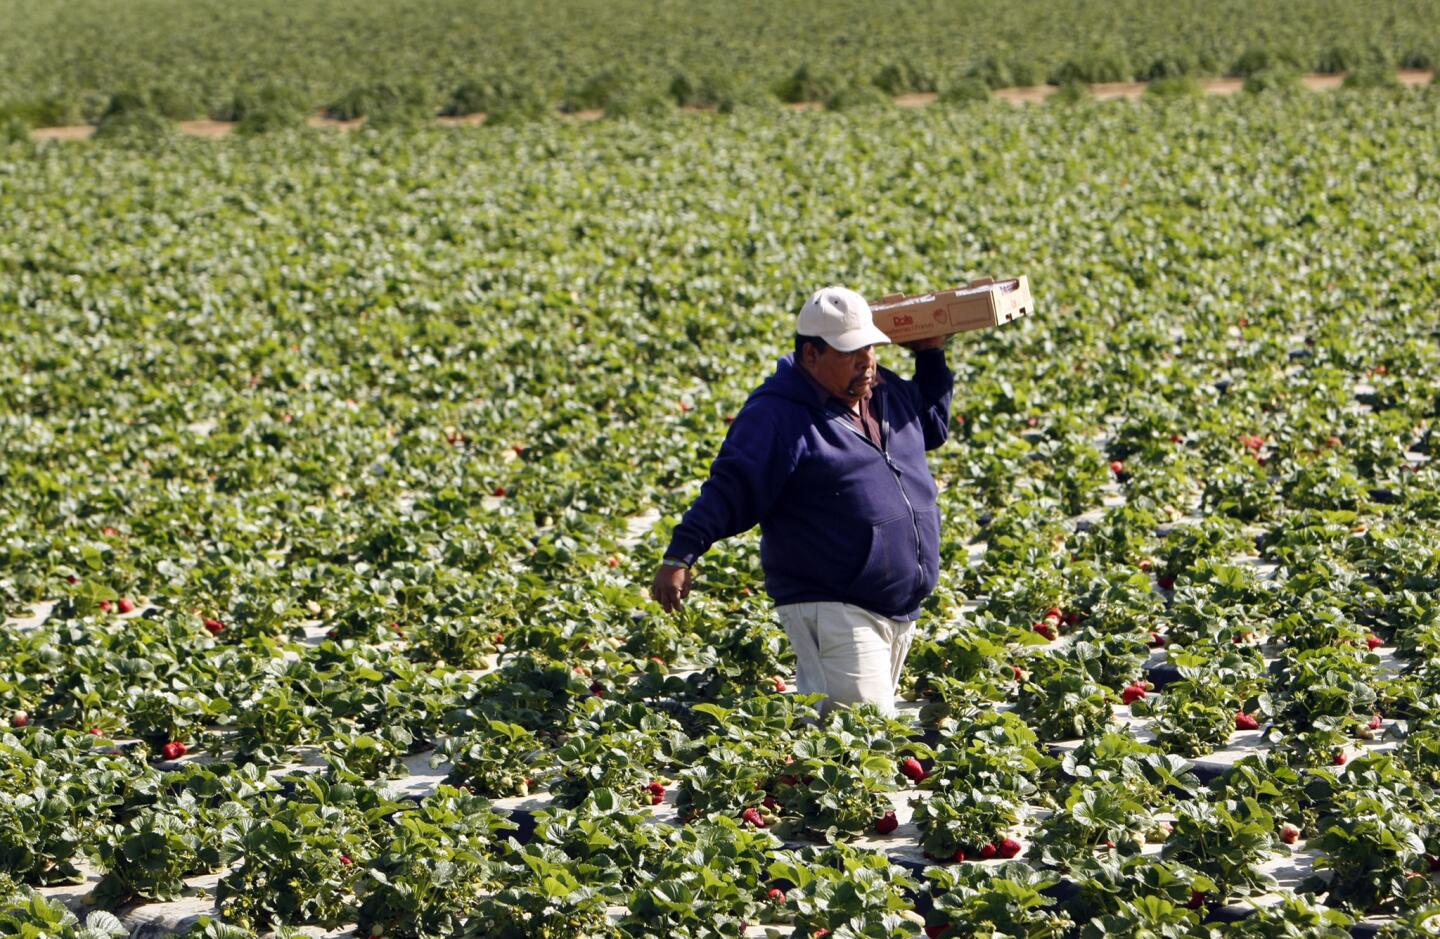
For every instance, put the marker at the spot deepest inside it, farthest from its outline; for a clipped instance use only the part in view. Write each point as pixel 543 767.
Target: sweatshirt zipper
pixel 914 520
pixel 885 452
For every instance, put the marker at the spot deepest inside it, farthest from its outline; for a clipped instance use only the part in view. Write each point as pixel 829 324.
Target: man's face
pixel 846 375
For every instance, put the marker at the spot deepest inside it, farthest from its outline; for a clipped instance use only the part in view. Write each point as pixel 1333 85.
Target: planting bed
pixel 315 479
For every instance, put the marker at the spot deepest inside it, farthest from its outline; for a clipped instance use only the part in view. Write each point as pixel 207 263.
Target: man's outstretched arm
pixel 745 480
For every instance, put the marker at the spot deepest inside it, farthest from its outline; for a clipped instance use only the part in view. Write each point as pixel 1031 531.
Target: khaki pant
pixel 846 652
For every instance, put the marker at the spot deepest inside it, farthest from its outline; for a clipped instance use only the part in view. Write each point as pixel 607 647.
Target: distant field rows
pixel 1029 94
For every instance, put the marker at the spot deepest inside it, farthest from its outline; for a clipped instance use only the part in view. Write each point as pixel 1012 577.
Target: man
pixel 828 457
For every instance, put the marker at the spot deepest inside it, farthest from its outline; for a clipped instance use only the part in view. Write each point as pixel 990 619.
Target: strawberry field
pixel 335 470
pixel 272 61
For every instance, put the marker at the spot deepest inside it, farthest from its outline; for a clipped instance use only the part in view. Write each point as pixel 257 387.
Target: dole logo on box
pixel 904 321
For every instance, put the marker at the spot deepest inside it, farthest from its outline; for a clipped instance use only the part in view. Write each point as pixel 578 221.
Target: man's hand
pixel 671 587
pixel 920 345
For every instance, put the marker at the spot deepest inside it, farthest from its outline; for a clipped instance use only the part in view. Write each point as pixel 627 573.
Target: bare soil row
pixel 1032 94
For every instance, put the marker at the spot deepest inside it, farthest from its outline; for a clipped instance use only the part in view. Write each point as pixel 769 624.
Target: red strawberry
pixel 1332 441
pixel 911 767
pixel 1054 613
pixel 1016 670
pixel 752 815
pixel 613 561
pixel 20 719
pixel 934 932
pixel 173 750
pixel 1109 845
pixel 776 894
pixel 214 626
pixel 1289 833
pixel 345 860
pixel 1375 722
pixel 887 823
pixel 597 689
pixel 1156 640
pixel 1244 721
pixel 1197 899
pixel 1339 758
pixel 657 792
pixel 1133 693
pixel 71 579
pixel 1165 583
pixel 779 683
pixel 1176 438
pixel 1373 642
pixel 988 851
pixel 95 731
pixel 518 448
pixel 1008 847
pixel 1434 863
pixel 126 605
pixel 958 856
pixel 1045 628
pixel 1117 467
pixel 1145 564
pixel 105 606
pixel 770 803
pixel 499 492
pixel 109 532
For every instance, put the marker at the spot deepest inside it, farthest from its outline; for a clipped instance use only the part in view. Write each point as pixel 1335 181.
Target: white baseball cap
pixel 841 317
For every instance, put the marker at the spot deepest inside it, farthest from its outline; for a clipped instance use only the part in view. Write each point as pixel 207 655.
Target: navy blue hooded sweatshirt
pixel 840 519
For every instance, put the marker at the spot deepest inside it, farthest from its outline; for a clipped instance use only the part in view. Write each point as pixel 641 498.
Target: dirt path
pixel 1105 91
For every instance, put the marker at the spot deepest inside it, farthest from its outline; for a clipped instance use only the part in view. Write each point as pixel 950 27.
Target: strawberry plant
pixel 996 752
pixel 1322 689
pixel 1370 836
pixel 622 759
pixel 606 833
pixel 1268 780
pixel 1193 718
pixel 839 772
pixel 1009 900
pixel 1064 703
pixel 495 759
pixel 957 824
pixel 1144 916
pixel 1223 844
pixel 23 912
pixel 1119 892
pixel 1294 917
pixel 687 896
pixel 294 862
pixel 542 896
pixel 1095 814
pixel 842 889
pixel 424 878
pixel 154 850
pixel 1155 778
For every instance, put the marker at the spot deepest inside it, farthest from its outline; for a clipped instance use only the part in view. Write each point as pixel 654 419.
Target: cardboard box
pixel 977 305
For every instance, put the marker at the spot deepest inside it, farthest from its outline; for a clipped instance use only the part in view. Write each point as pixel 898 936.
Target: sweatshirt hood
pixel 787 381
